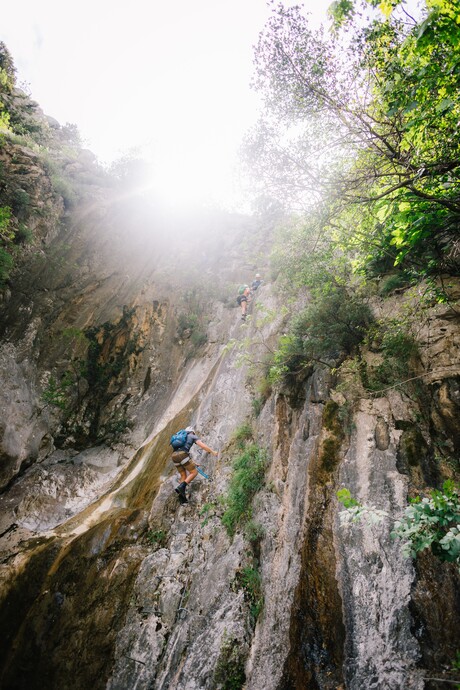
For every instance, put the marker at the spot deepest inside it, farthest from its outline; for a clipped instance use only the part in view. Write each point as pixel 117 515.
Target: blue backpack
pixel 178 439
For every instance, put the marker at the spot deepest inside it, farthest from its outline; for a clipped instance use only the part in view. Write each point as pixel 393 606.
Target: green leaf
pixel 346 498
pixel 445 104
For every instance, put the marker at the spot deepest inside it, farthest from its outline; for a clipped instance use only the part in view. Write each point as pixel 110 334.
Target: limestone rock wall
pixel 151 594
pixel 94 324
pixel 105 581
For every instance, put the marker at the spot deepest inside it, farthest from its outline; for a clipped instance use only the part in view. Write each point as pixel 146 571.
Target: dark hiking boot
pixel 181 489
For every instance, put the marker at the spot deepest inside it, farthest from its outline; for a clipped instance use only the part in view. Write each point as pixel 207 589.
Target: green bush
pixel 63 187
pixel 6 264
pixel 24 235
pixel 257 405
pixel 397 343
pixel 333 325
pixel 6 233
pixel 393 282
pixel 190 325
pixel 247 478
pixel 58 393
pixel 10 237
pixel 254 531
pixel 242 434
pixel 65 392
pixel 208 510
pixel 432 522
pixel 229 670
pixel 198 338
pixel 157 538
pixel 21 201
pixel 4 122
pixel 186 322
pixel 7 69
pixel 115 428
pixel 335 321
pixel 399 349
pixel 250 581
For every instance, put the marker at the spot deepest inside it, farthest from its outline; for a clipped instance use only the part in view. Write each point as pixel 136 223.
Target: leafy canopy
pixel 360 127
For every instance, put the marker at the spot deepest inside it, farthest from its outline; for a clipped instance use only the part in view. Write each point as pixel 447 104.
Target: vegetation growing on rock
pixel 357 294
pixel 246 480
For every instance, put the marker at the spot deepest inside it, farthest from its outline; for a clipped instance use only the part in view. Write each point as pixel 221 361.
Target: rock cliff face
pixel 117 330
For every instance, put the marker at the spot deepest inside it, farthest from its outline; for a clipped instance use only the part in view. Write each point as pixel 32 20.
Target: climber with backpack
pixel 257 282
pixel 182 441
pixel 244 296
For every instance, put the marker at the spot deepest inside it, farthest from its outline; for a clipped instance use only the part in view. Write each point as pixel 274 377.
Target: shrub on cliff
pixel 6 264
pixel 332 326
pixel 429 522
pixel 6 240
pixel 246 480
pixel 7 69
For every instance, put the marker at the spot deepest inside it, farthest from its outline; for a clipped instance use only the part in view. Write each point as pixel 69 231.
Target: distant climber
pixel 256 283
pixel 243 298
pixel 181 442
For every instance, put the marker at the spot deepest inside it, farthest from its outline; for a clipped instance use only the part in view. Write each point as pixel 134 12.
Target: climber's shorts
pixel 241 298
pixel 181 458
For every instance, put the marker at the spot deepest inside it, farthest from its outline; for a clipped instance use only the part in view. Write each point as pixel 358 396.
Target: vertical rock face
pixel 25 185
pixel 375 578
pixel 316 634
pixel 151 594
pixel 97 326
pixel 284 516
pixel 106 581
pixel 118 326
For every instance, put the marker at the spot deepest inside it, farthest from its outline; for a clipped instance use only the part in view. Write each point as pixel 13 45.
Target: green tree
pixel 372 138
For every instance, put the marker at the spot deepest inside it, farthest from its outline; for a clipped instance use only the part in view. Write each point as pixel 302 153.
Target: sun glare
pixel 192 177
pixel 181 81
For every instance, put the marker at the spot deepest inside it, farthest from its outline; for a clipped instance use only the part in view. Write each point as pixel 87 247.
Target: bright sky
pixel 169 77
